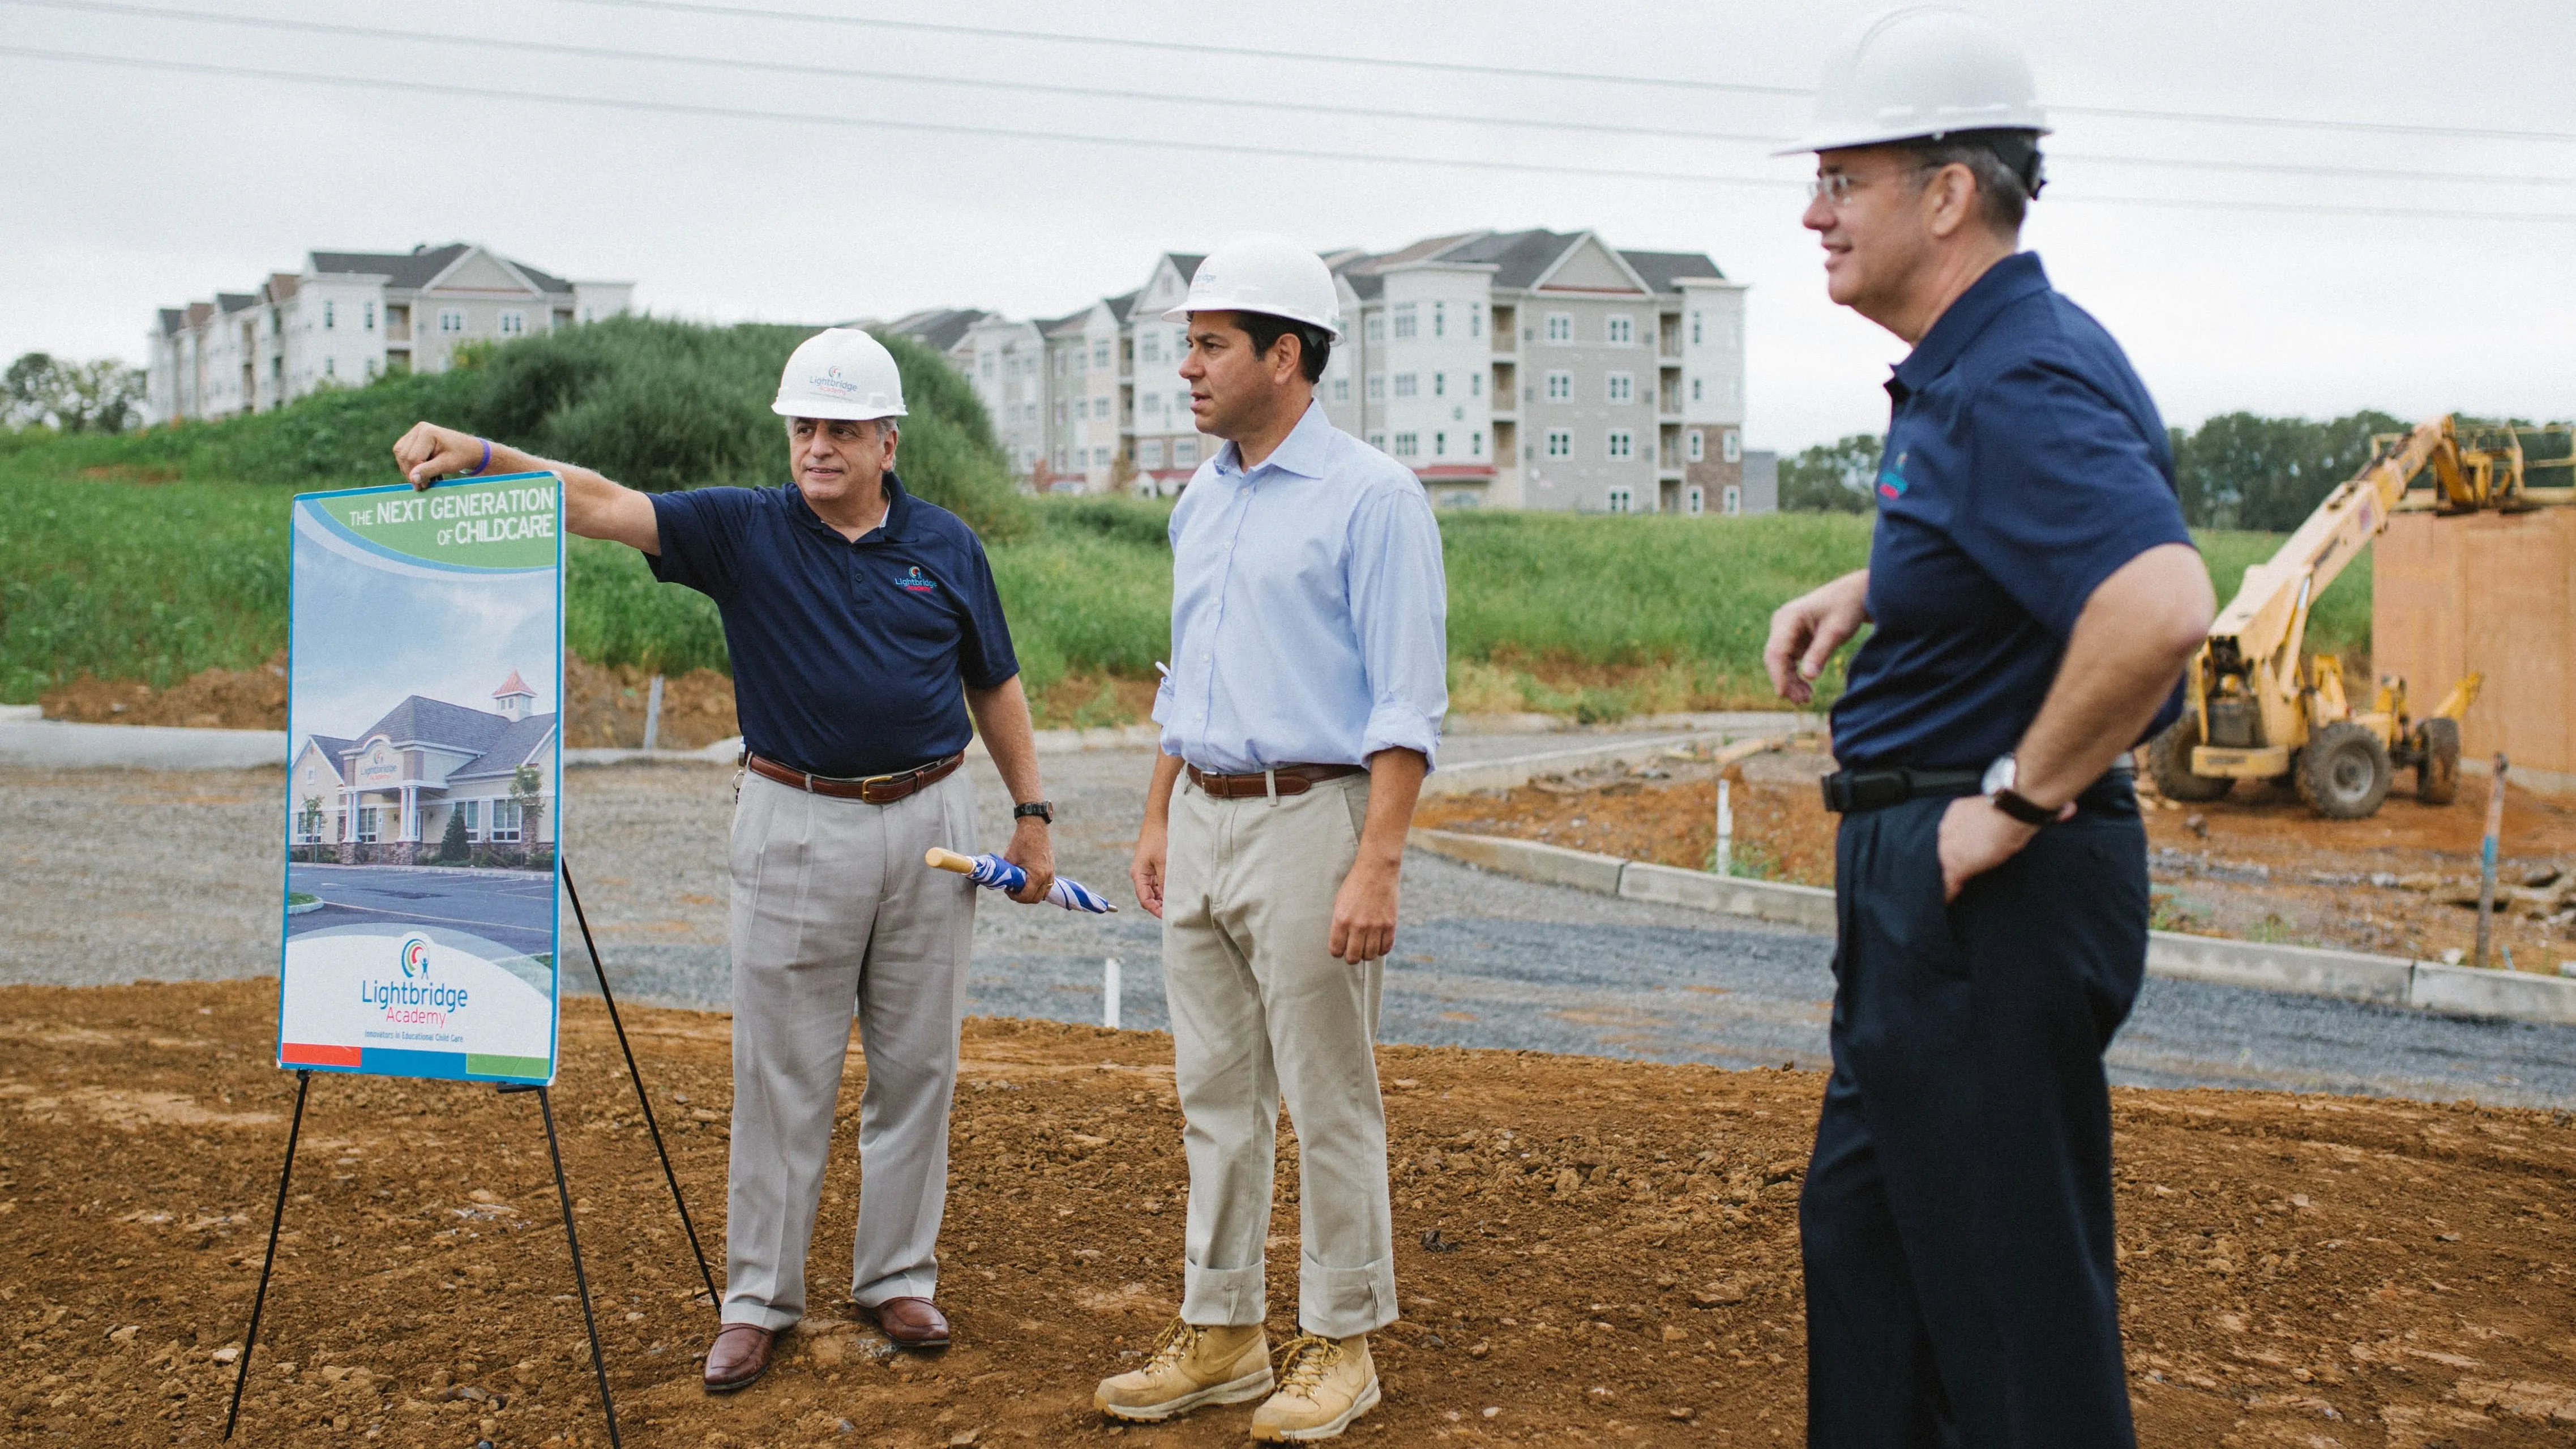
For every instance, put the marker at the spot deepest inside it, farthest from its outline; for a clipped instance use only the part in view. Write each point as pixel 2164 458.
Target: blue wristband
pixel 477 470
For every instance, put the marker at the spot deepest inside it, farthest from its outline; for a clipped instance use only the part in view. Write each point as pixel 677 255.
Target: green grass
pixel 1595 617
pixel 131 582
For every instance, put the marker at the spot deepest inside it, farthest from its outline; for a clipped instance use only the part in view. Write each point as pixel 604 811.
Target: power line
pixel 1156 143
pixel 1255 103
pixel 992 32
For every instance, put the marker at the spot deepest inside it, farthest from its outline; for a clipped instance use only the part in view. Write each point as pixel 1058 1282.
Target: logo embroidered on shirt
pixel 917 582
pixel 1891 481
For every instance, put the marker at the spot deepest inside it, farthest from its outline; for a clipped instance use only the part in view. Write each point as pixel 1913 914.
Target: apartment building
pixel 347 318
pixel 1527 369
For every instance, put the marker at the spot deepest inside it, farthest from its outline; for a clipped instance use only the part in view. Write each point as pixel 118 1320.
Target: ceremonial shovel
pixel 1001 875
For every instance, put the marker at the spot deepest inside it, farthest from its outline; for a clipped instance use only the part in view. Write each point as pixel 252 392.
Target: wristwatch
pixel 2001 776
pixel 1042 809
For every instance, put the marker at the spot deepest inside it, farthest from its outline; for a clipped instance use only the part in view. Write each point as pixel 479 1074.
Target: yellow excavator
pixel 2257 709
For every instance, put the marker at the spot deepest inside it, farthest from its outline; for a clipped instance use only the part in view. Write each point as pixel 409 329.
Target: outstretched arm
pixel 594 507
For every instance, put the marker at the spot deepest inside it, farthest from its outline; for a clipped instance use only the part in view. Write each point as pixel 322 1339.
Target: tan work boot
pixel 1190 1366
pixel 1324 1383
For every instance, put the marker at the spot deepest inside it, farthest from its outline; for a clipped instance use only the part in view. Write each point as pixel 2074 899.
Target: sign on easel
pixel 425 697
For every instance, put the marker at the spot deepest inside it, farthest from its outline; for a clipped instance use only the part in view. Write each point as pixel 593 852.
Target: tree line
pixel 2236 470
pixel 42 391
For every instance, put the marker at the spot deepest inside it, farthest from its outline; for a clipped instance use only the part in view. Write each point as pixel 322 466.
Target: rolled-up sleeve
pixel 1399 597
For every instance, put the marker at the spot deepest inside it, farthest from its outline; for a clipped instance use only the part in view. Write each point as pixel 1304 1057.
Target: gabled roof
pixel 422 265
pixel 332 748
pixel 1119 305
pixel 937 328
pixel 515 746
pixel 1187 264
pixel 513 685
pixel 435 721
pixel 414 268
pixel 1663 271
pixel 174 320
pixel 230 302
pixel 281 285
pixel 1519 258
pixel 1051 326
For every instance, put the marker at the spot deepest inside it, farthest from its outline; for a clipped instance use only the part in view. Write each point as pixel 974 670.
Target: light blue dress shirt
pixel 1310 614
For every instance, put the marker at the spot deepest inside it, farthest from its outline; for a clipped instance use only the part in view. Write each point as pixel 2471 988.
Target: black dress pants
pixel 1956 1218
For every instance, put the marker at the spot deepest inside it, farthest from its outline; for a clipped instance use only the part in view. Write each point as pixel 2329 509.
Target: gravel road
pixel 115 876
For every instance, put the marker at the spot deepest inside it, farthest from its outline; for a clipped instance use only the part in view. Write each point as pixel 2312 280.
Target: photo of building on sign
pixel 430 783
pixel 422 810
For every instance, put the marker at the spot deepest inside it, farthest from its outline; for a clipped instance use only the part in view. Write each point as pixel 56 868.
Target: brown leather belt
pixel 1293 780
pixel 875 789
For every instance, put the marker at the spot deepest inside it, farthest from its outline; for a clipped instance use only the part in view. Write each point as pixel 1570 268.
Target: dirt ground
pixel 2257 865
pixel 1590 1251
pixel 607 703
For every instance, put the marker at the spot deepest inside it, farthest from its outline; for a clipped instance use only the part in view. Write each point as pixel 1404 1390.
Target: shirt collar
pixel 1302 452
pixel 895 529
pixel 2006 282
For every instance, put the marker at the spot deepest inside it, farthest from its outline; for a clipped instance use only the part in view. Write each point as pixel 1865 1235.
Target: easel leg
pixel 250 1340
pixel 714 1299
pixel 572 1240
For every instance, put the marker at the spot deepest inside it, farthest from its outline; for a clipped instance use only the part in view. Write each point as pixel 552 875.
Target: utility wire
pixel 807 118
pixel 751 12
pixel 1254 103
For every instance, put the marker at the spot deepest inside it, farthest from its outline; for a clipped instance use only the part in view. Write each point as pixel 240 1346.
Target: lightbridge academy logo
pixel 1891 479
pixel 415 957
pixel 917 582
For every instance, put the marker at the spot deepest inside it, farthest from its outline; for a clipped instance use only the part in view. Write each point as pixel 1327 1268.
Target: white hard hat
pixel 1922 70
pixel 841 373
pixel 1261 273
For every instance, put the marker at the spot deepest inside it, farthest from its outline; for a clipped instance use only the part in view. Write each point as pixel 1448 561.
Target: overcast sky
pixel 124 189
pixel 454 638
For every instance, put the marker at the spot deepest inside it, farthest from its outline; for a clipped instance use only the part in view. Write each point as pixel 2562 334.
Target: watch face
pixel 2000 775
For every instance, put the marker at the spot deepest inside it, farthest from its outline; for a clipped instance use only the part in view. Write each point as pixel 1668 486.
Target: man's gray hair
pixel 2005 186
pixel 882 424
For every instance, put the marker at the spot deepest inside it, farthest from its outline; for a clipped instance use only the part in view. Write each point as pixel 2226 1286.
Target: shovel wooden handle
pixel 939 859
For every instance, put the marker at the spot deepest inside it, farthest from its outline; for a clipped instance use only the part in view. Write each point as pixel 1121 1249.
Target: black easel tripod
pixel 563 1192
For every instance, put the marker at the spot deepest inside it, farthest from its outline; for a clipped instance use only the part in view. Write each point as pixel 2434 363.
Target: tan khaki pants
pixel 833 909
pixel 1259 1010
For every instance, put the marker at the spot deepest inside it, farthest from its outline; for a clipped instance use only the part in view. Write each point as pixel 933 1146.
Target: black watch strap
pixel 2022 808
pixel 1042 809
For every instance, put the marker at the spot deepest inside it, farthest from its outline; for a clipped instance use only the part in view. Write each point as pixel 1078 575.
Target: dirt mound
pixel 2257 865
pixel 1593 1251
pixel 606 705
pixel 229 699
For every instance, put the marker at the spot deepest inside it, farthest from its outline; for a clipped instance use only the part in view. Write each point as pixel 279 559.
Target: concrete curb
pixel 2300 970
pixel 63 745
pixel 1519 770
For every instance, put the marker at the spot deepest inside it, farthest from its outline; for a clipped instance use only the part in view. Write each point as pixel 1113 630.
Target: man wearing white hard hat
pixel 2034 596
pixel 864 630
pixel 1303 707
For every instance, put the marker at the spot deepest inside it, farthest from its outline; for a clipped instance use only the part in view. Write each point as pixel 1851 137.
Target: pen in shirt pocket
pixel 1162 669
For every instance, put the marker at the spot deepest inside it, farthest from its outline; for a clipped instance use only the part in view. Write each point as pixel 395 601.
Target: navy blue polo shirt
pixel 2025 464
pixel 847 657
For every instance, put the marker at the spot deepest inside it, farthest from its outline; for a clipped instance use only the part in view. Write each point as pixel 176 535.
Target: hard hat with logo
pixel 841 373
pixel 1262 273
pixel 1918 72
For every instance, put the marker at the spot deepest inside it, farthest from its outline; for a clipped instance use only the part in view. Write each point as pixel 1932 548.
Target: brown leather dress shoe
pixel 739 1355
pixel 911 1322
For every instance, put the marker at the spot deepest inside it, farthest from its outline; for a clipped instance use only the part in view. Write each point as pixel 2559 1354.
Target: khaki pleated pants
pixel 834 910
pixel 1260 1011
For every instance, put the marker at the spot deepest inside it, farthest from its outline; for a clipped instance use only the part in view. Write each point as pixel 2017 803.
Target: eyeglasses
pixel 1836 187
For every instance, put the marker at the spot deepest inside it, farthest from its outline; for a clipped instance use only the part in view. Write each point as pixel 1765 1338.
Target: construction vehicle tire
pixel 2169 764
pixel 2437 766
pixel 2344 773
